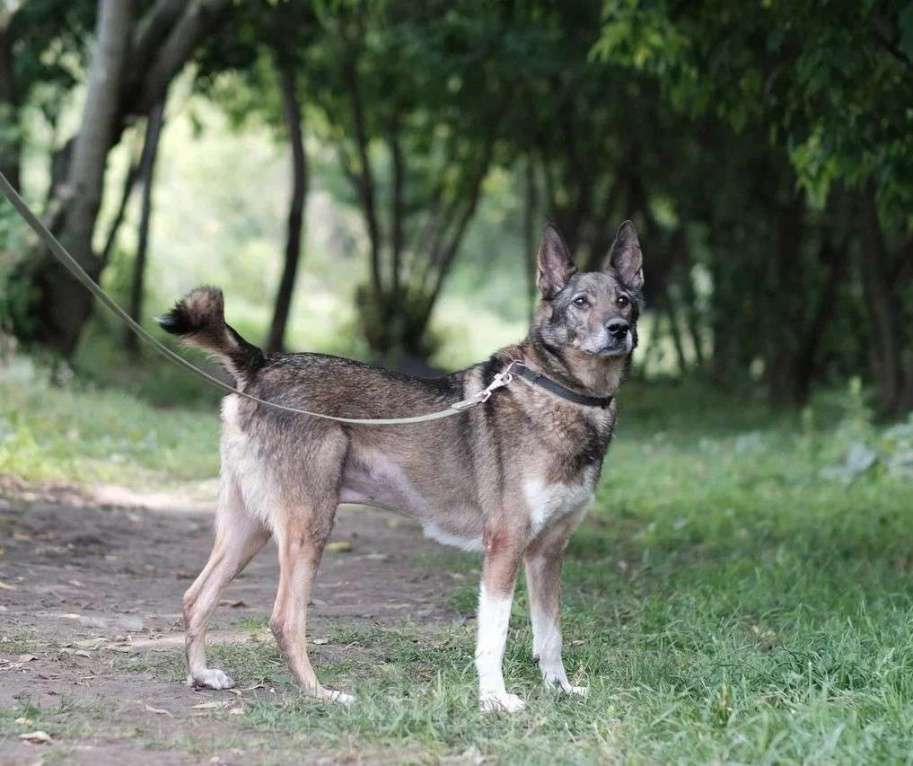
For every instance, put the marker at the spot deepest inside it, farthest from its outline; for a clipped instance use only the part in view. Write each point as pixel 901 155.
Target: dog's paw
pixel 210 678
pixel 338 697
pixel 558 680
pixel 501 703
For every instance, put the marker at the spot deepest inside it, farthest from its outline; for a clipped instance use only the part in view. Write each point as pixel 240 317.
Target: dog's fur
pixel 510 478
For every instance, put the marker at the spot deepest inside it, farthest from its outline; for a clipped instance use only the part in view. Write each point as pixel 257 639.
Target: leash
pixel 72 265
pixel 500 379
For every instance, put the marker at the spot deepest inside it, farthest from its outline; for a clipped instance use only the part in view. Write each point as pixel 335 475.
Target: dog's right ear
pixel 556 266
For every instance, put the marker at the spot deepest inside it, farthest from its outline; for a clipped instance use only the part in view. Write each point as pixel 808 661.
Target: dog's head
pixel 590 313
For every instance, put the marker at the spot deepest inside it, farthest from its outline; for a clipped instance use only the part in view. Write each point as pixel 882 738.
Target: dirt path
pixel 86 590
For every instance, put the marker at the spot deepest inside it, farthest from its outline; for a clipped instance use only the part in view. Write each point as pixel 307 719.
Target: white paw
pixel 210 678
pixel 340 698
pixel 501 703
pixel 557 679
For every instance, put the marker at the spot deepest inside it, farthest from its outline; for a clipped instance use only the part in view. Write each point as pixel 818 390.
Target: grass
pixel 82 433
pixel 724 601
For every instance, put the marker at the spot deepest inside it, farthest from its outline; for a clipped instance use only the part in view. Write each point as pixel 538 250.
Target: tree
pixel 132 64
pixel 414 98
pixel 831 92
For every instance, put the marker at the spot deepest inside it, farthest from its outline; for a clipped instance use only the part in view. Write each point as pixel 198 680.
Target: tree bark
pixel 397 211
pixel 65 304
pixel 190 28
pixel 10 129
pixel 291 109
pixel 365 173
pixel 165 41
pixel 147 172
pixel 530 206
pixel 881 304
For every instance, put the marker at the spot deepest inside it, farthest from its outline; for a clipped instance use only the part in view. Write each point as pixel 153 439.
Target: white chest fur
pixel 549 503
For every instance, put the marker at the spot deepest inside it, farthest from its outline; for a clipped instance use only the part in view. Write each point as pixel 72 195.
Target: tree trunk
pixel 291 108
pixel 881 304
pixel 65 304
pixel 168 36
pixel 676 334
pixel 147 171
pixel 10 129
pixel 530 245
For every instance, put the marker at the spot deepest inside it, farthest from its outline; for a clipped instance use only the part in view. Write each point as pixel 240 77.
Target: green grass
pixel 82 433
pixel 724 601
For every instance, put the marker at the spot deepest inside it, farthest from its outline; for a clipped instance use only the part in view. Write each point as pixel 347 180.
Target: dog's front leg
pixel 543 582
pixel 503 549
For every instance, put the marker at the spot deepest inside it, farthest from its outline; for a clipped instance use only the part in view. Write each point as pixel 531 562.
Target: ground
pixel 740 592
pixel 92 626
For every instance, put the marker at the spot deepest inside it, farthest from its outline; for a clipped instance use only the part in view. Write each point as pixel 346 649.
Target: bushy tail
pixel 199 320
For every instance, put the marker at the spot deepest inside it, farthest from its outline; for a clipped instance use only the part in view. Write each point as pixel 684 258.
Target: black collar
pixel 538 379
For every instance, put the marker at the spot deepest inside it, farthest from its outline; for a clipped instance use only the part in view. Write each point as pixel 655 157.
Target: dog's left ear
pixel 626 257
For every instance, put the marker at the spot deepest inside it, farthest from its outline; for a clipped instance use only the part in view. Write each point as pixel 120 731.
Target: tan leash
pixel 72 265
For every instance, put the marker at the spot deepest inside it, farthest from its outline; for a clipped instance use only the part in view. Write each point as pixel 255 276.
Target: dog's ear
pixel 556 266
pixel 626 258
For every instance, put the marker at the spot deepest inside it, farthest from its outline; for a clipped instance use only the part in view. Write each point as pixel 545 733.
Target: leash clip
pixel 500 380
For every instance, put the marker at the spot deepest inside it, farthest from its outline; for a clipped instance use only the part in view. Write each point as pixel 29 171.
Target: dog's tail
pixel 199 320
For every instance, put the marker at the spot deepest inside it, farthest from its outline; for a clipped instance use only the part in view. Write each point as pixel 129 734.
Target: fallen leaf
pixel 36 737
pixel 7 586
pixel 209 705
pixel 82 653
pixel 26 658
pixel 158 711
pixel 24 721
pixel 236 711
pixel 320 641
pixel 339 546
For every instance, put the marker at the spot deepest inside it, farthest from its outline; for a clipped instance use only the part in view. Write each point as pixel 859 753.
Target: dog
pixel 511 477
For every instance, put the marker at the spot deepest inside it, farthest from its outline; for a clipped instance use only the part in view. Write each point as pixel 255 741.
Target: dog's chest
pixel 550 502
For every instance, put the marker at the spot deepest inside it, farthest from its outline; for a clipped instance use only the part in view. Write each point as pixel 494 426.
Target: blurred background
pixel 370 179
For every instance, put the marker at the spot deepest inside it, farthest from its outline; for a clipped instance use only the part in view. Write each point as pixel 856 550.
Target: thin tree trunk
pixel 397 211
pixel 365 175
pixel 65 304
pixel 530 206
pixel 147 171
pixel 114 229
pixel 291 109
pixel 10 129
pixel 676 334
pixel 881 304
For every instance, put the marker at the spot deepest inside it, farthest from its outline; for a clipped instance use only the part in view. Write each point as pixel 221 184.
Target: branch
pixel 197 21
pixel 365 176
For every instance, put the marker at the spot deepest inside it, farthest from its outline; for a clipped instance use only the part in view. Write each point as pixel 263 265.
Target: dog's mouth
pixel 614 348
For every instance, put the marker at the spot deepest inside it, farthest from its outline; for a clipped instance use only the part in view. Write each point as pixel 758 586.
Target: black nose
pixel 618 328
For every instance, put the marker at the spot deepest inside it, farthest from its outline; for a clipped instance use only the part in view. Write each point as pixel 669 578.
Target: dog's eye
pixel 581 301
pixel 621 301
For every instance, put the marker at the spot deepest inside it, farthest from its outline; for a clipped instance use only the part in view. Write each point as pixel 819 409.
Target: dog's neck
pixel 583 373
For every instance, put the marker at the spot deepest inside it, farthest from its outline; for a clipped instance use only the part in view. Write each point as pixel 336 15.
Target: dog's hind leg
pixel 239 535
pixel 302 528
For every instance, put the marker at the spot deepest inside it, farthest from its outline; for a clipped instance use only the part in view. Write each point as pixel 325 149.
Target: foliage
pixel 829 82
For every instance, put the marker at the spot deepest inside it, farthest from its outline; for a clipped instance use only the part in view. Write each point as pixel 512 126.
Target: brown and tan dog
pixel 511 478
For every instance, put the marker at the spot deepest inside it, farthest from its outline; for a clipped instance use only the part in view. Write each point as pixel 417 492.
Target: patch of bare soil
pixel 87 583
